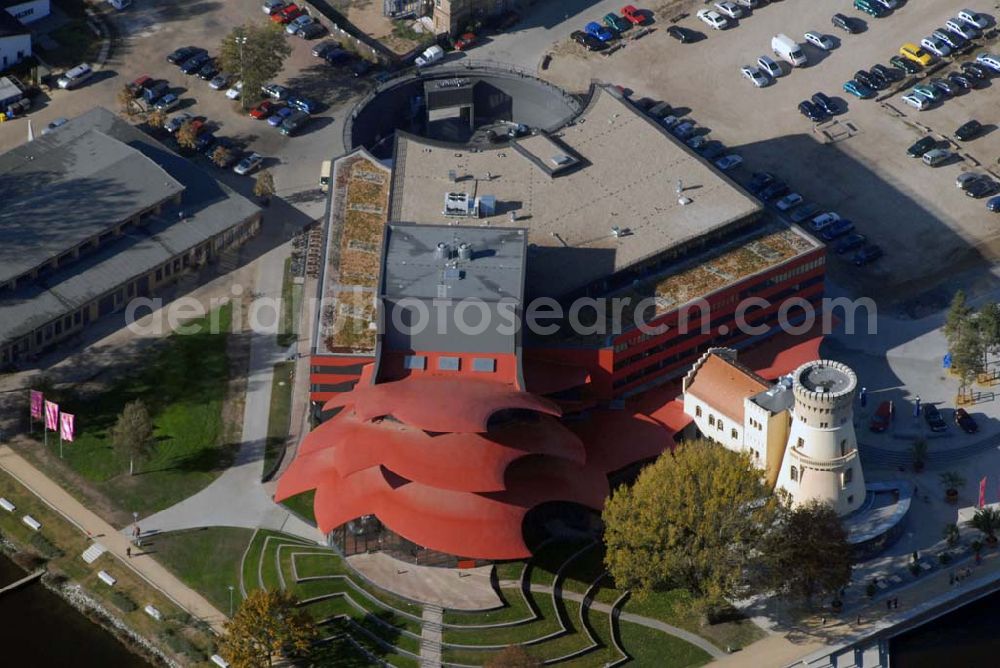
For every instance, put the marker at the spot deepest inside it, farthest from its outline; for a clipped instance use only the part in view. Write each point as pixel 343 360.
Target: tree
pixel 951 534
pixel 132 435
pixel 987 521
pixel 967 354
pixel 156 119
pixel 187 136
pixel 221 156
pixel 691 520
pixel 988 323
pixel 257 51
pixel 951 481
pixel 268 623
pixel 919 452
pixel 806 553
pixel 958 317
pixel 126 100
pixel 513 656
pixel 263 186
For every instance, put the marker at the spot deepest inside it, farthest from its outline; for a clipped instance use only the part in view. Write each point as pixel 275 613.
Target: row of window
pixel 846 477
pixel 449 363
pixel 718 424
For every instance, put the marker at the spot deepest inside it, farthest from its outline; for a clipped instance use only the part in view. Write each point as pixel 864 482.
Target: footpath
pixel 116 543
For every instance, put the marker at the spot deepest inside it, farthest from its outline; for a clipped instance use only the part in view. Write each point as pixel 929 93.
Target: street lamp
pixel 230 601
pixel 241 40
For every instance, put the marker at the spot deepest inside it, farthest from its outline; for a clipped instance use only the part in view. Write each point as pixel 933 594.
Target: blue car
pixel 304 103
pixel 278 117
pixel 859 89
pixel 595 29
pixel 836 229
pixel 994 204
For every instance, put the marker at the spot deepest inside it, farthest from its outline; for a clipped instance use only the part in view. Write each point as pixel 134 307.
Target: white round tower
pixel 821 458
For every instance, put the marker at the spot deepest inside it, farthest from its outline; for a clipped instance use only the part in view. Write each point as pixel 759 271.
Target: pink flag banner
pixel 982 492
pixel 36 404
pixel 51 415
pixel 67 426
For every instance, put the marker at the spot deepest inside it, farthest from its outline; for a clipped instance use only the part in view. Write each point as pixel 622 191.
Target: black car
pixel 208 71
pixel 311 30
pixel 360 67
pixel 337 56
pixel 713 150
pixel 846 23
pixel 589 42
pixel 979 188
pixel 965 421
pixel 823 101
pixel 682 35
pixel 921 146
pixel 849 243
pixel 811 111
pixel 969 130
pixel 933 417
pixel 761 180
pixel 869 253
pixel 961 81
pixel 879 80
pixel 864 78
pixel 205 143
pixel 890 73
pixel 183 54
pixel 194 63
pixel 904 64
pixel 323 47
pixel 946 88
pixel 975 71
pixel 804 212
pixel 774 191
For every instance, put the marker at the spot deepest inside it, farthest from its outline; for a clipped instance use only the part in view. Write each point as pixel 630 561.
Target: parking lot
pixel 150 31
pixel 854 164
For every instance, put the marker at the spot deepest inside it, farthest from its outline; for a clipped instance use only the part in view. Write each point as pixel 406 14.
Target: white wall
pixel 30 10
pixel 13 49
pixel 714 425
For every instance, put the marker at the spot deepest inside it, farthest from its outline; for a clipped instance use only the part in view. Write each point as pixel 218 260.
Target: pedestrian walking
pixel 888 604
pixel 128 551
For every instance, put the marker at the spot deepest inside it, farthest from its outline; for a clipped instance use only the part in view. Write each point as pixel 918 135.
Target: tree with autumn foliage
pixel 268 623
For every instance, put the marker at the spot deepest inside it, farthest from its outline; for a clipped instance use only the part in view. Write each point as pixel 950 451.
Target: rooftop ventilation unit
pixel 464 252
pixel 442 251
pixel 487 205
pixel 460 205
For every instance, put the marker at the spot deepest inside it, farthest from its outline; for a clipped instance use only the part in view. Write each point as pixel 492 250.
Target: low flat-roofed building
pixel 572 214
pixel 95 215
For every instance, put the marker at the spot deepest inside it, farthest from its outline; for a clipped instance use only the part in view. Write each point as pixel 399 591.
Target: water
pixel 39 629
pixel 965 637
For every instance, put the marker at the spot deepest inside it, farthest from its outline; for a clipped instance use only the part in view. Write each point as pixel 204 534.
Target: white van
pixel 788 50
pixel 324 176
pixel 75 76
pixel 430 56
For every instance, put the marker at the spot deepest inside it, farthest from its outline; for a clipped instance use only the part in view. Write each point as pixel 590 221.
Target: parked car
pixel 961 81
pixel 183 54
pixel 300 21
pixel 771 68
pixel 633 15
pixel 248 164
pixel 953 40
pixel 837 229
pixel 947 89
pixel 981 188
pixel 208 70
pixel 262 110
pixel 194 63
pixel 921 146
pixel 774 191
pixel 616 23
pixel 823 101
pixel 932 93
pixel 156 91
pixel 936 46
pixel 756 77
pixel 789 201
pixel 140 84
pixel 54 125
pixel 969 130
pixel 683 130
pixel 175 122
pixel 271 6
pixel 465 41
pixel 595 29
pixel 589 42
pixel 866 255
pixel 811 111
pixel 965 421
pixel 862 76
pixel 820 41
pixel 889 73
pixel 697 141
pixel 993 205
pixel 760 180
pixel 823 220
pixel 878 80
pixel 205 142
pixel 804 212
pixel 323 47
pixel 989 61
pixel 713 19
pixel 235 91
pixel 279 116
pixel 858 89
pixel 430 56
pixel 960 27
pixel 846 23
pixel 911 51
pixel 905 64
pixel 727 162
pixel 682 35
pixel 730 9
pixel 882 417
pixel 220 81
pixel 965 179
pixel 311 31
pixel 974 19
pixel 295 121
pixel 918 102
pixel 304 103
pixel 936 156
pixel 167 102
pixel 286 14
pixel 933 417
pixel 712 150
pixel 850 242
pixel 276 91
pixel 974 71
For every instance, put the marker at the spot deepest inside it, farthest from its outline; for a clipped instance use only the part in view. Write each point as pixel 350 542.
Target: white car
pixel 960 27
pixel 788 201
pixel 234 92
pixel 823 220
pixel 712 18
pixel 949 38
pixel 917 101
pixel 271 6
pixel 935 46
pixel 974 19
pixel 820 41
pixel 989 60
pixel 770 68
pixel 727 162
pixel 248 164
pixel 756 77
pixel 730 9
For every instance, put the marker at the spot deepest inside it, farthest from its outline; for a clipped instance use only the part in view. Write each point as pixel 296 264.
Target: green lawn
pixel 547 561
pixel 279 415
pixel 183 384
pixel 291 300
pixel 509 570
pixel 508 635
pixel 673 607
pixel 516 609
pixel 302 505
pixel 649 647
pixel 208 560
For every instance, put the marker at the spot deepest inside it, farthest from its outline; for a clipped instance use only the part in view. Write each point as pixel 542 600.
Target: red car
pixel 262 110
pixel 882 418
pixel 197 125
pixel 139 85
pixel 466 41
pixel 286 14
pixel 633 16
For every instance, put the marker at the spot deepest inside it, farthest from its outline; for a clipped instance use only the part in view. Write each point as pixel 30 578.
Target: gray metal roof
pixel 69 186
pixel 208 207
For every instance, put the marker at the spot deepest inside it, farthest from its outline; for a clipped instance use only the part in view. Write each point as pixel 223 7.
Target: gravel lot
pixel 928 228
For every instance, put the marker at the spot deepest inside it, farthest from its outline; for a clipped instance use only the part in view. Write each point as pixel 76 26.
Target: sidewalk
pixel 116 543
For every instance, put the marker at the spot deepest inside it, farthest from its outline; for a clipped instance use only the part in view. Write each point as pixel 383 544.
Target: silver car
pixel 758 78
pixel 770 68
pixel 819 40
pixel 950 38
pixel 936 46
pixel 960 27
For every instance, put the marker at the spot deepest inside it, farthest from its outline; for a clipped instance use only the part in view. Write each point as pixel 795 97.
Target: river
pixel 966 637
pixel 41 629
